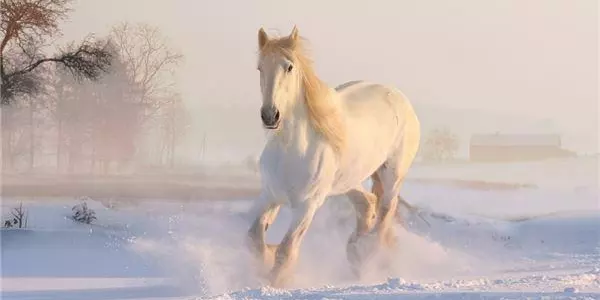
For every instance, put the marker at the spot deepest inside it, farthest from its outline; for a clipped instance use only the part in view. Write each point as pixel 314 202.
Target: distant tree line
pixel 94 106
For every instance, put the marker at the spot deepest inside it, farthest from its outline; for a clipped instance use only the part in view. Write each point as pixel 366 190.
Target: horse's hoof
pixel 279 282
pixel 360 251
pixel 357 271
pixel 263 260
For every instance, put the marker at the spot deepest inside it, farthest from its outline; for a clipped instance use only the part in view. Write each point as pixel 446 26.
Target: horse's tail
pixel 419 211
pixel 411 209
pixel 404 203
pixel 377 189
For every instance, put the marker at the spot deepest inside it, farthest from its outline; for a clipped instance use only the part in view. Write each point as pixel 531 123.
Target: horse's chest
pixel 289 174
pixel 285 171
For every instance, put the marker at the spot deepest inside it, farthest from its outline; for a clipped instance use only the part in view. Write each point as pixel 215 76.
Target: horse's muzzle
pixel 270 117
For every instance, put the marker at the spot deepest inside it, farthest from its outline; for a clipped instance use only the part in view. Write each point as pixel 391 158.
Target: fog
pixel 472 66
pixel 468 66
pixel 505 178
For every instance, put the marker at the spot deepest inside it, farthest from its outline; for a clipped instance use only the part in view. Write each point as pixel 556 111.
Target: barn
pixel 518 147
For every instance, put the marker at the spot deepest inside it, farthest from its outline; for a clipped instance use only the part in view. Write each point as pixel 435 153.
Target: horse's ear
pixel 263 38
pixel 294 34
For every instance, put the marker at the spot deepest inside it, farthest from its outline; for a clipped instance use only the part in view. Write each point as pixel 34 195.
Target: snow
pixel 536 242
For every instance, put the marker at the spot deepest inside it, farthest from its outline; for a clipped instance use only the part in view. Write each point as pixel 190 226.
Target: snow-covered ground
pixel 539 242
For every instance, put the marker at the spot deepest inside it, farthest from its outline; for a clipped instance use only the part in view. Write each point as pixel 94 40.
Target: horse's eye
pixel 290 68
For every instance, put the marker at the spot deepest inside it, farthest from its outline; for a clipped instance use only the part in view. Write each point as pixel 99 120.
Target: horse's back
pixel 379 118
pixel 344 85
pixel 374 102
pixel 370 91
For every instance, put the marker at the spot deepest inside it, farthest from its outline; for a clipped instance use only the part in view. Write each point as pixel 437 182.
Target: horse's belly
pixel 366 154
pixel 352 175
pixel 348 183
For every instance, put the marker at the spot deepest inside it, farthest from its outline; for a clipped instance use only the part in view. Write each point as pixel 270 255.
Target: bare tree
pixel 175 121
pixel 97 122
pixel 19 218
pixel 70 106
pixel 116 110
pixel 58 94
pixel 440 145
pixel 14 134
pixel 26 26
pixel 149 61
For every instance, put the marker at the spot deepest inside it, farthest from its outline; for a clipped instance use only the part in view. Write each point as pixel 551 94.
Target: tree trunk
pixel 173 132
pixel 94 151
pixel 203 146
pixel 31 135
pixel 6 140
pixel 59 141
pixel 71 164
pixel 60 135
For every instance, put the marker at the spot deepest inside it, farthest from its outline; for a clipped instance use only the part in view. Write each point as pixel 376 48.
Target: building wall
pixel 515 153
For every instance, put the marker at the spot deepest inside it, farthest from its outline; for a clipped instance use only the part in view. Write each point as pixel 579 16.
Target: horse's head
pixel 279 76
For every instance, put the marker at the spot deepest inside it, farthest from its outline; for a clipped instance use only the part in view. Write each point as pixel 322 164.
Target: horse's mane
pixel 323 113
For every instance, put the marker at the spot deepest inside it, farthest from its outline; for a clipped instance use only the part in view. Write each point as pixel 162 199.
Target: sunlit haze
pixel 171 149
pixel 471 66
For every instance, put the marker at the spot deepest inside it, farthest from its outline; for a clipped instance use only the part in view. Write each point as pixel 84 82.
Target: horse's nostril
pixel 263 116
pixel 269 116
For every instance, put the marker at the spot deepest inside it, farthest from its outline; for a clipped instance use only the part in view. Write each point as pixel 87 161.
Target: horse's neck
pixel 297 131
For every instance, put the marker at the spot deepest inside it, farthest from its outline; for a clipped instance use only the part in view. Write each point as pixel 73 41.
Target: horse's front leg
pixel 264 252
pixel 287 252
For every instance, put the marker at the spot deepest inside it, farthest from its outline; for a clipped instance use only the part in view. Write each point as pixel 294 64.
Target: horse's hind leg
pixel 391 183
pixel 386 236
pixel 256 234
pixel 365 204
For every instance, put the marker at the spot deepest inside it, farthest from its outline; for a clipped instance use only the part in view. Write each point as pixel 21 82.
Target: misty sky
pixel 534 60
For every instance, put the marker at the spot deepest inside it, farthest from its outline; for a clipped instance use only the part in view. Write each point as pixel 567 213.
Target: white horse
pixel 324 142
